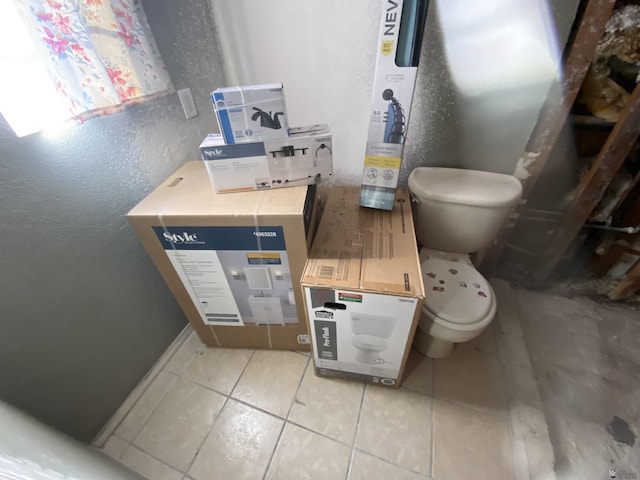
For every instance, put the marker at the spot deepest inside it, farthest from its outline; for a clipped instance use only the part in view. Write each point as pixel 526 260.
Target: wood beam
pixel 593 186
pixel 560 99
pixel 628 285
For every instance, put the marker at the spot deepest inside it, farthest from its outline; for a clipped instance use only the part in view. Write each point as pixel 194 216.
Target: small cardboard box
pixel 233 262
pixel 304 158
pixel 400 38
pixel 251 113
pixel 363 289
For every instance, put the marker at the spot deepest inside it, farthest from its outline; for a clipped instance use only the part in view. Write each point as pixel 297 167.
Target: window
pixel 70 60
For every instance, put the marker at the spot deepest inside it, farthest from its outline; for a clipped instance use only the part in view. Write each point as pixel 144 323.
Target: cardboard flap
pixel 365 249
pixel 188 192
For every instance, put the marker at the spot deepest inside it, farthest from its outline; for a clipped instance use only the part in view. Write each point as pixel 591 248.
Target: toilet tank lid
pixel 466 187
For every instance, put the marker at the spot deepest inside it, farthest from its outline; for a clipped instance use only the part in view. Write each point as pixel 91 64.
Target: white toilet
pixel 370 336
pixel 457 212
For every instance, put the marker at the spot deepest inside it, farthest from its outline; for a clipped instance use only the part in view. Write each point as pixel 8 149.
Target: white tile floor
pixel 244 414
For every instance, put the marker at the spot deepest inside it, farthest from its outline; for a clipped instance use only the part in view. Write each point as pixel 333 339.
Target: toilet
pixel 370 334
pixel 456 212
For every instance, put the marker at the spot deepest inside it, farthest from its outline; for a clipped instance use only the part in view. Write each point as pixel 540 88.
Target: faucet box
pixel 233 262
pixel 398 52
pixel 251 113
pixel 363 289
pixel 304 158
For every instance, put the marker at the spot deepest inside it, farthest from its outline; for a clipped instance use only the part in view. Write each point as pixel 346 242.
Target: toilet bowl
pixel 459 304
pixel 456 212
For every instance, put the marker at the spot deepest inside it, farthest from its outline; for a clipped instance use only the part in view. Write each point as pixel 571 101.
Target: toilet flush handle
pixel 415 199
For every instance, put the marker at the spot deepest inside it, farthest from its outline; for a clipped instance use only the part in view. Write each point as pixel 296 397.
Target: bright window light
pixel 28 99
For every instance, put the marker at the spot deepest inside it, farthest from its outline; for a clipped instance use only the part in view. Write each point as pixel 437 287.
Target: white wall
pixel 324 52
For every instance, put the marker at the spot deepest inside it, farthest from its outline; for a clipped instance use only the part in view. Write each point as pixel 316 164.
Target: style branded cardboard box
pixel 232 261
pixel 363 289
pixel 304 158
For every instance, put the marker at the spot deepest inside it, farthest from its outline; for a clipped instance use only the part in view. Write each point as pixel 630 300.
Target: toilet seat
pixel 457 296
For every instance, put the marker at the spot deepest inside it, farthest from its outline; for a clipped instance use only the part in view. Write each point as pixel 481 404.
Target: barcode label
pixel 326 271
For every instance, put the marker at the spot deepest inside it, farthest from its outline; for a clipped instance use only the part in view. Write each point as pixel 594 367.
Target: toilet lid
pixel 455 292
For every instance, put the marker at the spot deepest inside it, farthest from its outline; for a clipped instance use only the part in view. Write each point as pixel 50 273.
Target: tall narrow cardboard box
pixel 398 52
pixel 363 289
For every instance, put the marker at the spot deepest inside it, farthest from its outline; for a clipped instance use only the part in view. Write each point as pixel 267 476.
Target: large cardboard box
pixel 234 261
pixel 363 289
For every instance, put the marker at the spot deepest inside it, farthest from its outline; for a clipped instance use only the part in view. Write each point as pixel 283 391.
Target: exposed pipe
pixel 629 230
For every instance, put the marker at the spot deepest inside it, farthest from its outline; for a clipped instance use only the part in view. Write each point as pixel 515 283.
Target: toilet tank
pixel 459 210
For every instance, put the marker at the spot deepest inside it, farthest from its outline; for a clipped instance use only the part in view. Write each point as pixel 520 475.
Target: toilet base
pixel 430 346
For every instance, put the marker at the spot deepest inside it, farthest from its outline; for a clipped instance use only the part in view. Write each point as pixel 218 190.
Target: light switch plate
pixel 188 105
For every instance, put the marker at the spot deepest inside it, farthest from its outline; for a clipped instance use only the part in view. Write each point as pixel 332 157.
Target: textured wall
pixel 484 73
pixel 83 313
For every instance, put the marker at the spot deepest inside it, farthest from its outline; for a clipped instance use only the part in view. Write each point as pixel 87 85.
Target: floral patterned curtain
pixel 100 54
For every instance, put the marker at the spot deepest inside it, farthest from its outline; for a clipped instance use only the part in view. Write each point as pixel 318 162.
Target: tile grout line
pixel 214 390
pixel 227 397
pixel 284 424
pixel 153 410
pixel 295 395
pixel 255 407
pixel 163 462
pixel 242 373
pixel 266 412
pixel 127 442
pixel 355 433
pixel 204 439
pixel 395 465
pixel 355 449
pixel 152 456
pixel 215 420
pixel 273 452
pixel 490 412
pixel 324 435
pixel 164 395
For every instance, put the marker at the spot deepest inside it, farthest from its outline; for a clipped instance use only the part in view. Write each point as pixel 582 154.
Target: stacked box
pixel 233 262
pixel 252 113
pixel 363 289
pixel 304 158
pixel 256 149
